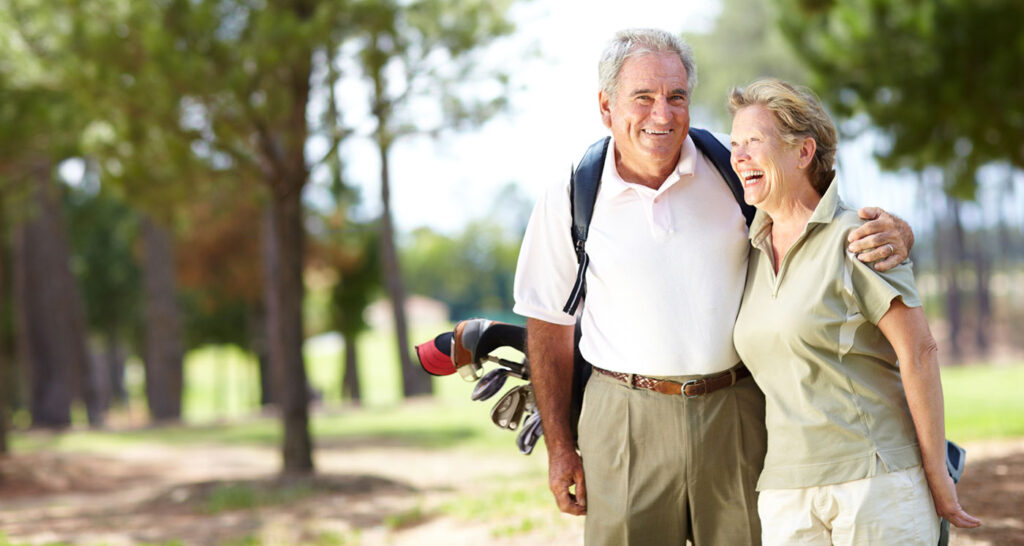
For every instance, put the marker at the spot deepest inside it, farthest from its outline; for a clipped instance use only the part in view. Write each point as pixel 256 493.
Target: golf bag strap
pixel 584 182
pixel 713 149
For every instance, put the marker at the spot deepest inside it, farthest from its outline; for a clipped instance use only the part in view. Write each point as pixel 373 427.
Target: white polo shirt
pixel 666 272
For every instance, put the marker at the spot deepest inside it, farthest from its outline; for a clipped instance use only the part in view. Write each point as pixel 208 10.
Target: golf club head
pixel 530 406
pixel 531 433
pixel 490 384
pixel 508 412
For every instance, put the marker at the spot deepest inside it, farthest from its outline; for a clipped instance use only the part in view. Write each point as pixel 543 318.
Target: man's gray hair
pixel 641 41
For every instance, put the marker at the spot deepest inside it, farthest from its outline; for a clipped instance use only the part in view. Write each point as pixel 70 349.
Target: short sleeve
pixel 874 290
pixel 546 270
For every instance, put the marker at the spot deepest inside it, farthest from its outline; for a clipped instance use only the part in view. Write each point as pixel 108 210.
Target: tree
pixel 357 263
pixel 413 54
pixel 103 233
pixel 41 121
pixel 472 272
pixel 739 49
pixel 940 80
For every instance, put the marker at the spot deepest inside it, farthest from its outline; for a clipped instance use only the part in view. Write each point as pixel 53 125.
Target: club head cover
pixel 490 384
pixel 531 433
pixel 466 336
pixel 499 334
pixel 435 355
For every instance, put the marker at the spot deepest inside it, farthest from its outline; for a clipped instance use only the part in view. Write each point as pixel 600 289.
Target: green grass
pixel 436 424
pixel 983 401
pixel 222 382
pixel 241 496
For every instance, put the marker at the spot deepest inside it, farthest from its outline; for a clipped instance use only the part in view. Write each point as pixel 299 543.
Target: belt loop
pixel 631 380
pixel 732 373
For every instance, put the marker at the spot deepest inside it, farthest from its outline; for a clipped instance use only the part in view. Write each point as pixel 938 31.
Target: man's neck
pixel 651 175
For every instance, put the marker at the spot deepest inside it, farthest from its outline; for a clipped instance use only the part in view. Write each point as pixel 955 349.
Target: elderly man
pixel 668 251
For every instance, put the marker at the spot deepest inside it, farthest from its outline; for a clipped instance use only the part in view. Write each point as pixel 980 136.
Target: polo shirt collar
pixel 823 213
pixel 612 184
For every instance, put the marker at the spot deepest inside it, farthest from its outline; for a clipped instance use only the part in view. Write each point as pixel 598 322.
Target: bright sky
pixel 446 183
pixel 552 120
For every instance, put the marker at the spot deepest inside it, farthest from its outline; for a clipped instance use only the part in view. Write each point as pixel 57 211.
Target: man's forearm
pixel 550 349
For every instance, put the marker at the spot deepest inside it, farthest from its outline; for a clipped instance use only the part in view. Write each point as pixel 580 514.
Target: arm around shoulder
pixel 885 239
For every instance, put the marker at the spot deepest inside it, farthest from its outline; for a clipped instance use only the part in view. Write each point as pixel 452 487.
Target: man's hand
pixel 565 470
pixel 550 349
pixel 885 239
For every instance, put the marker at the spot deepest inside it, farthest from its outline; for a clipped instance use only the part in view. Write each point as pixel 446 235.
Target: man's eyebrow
pixel 677 91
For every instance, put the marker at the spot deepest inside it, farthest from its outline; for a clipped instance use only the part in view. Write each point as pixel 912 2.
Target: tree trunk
pixel 414 381
pixel 350 382
pixel 6 377
pixel 164 350
pixel 52 332
pixel 285 327
pixel 270 316
pixel 257 326
pixel 954 259
pixel 982 270
pixel 115 358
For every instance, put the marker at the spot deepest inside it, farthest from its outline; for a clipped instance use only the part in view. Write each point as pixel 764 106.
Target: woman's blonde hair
pixel 799 114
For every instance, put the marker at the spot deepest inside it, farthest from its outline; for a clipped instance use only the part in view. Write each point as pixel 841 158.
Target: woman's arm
pixel 907 331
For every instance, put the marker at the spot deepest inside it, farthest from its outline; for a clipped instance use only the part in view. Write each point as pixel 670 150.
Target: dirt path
pixel 366 492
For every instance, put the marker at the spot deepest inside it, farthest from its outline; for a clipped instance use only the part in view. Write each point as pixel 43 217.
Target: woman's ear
pixel 807 149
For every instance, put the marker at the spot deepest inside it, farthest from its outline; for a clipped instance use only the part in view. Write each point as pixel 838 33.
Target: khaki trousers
pixel 663 469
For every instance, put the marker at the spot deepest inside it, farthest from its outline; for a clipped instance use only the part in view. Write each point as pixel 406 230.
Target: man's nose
pixel 661 109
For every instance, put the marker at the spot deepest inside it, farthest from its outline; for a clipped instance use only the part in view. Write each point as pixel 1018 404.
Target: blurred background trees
pixel 177 175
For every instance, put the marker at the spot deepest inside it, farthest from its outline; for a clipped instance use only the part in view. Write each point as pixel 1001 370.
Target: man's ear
pixel 605 105
pixel 807 149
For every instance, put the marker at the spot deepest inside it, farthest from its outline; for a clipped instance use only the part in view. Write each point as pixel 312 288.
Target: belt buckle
pixel 694 382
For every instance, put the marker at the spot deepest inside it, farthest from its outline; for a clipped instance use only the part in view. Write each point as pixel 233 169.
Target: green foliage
pixel 940 78
pixel 425 50
pixel 739 49
pixel 103 235
pixel 472 272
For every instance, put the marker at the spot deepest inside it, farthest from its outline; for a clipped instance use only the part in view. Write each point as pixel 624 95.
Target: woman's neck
pixel 789 218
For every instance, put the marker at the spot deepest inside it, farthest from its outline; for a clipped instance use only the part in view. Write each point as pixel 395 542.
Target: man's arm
pixel 885 239
pixel 550 349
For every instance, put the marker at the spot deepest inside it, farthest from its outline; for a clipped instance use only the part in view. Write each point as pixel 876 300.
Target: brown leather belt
pixel 690 389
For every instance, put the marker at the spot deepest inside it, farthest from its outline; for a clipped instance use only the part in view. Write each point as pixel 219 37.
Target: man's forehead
pixel 653 71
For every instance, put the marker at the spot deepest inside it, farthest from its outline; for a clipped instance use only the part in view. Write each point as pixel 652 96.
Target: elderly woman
pixel 856 438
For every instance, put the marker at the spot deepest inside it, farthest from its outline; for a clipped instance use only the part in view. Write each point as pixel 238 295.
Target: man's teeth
pixel 653 132
pixel 749 175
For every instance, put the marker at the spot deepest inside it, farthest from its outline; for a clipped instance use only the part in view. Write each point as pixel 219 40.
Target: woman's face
pixel 764 162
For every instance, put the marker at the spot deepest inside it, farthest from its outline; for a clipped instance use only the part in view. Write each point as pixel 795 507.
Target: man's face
pixel 650 115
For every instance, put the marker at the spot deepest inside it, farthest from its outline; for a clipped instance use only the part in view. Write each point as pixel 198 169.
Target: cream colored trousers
pixel 892 508
pixel 663 469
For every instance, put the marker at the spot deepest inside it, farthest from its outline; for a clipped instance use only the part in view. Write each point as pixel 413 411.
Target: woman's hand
pixel 946 503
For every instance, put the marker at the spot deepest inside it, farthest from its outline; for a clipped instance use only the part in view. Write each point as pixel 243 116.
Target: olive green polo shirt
pixel 835 406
